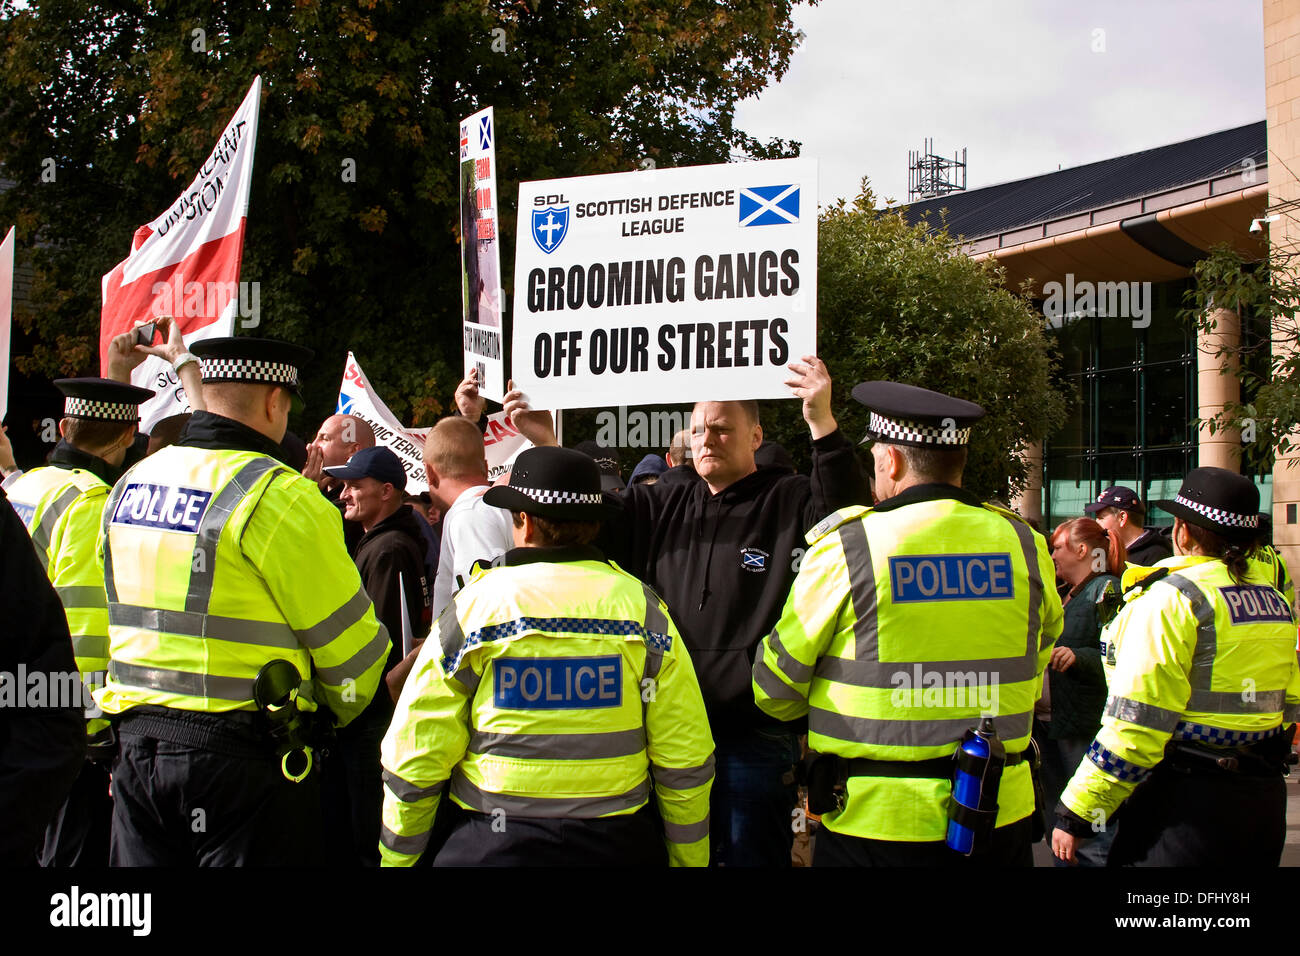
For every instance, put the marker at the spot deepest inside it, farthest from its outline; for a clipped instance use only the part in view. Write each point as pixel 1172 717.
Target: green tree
pixel 901 302
pixel 1266 295
pixel 107 110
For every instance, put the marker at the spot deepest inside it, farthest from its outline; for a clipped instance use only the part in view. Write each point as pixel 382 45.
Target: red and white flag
pixel 185 263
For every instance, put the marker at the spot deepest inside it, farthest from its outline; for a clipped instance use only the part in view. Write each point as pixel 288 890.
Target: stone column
pixel 1029 503
pixel 1216 385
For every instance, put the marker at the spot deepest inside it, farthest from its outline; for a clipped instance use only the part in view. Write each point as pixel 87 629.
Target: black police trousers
pixel 175 804
pixel 1010 846
pixel 481 839
pixel 1183 816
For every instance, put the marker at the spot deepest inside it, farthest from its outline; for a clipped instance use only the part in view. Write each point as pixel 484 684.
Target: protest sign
pixel 480 256
pixel 672 284
pixel 6 315
pixel 502 444
pixel 356 397
pixel 185 264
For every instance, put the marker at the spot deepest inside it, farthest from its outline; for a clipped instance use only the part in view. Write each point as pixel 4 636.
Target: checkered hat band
pixel 248 370
pixel 106 411
pixel 1219 516
pixel 545 497
pixel 917 432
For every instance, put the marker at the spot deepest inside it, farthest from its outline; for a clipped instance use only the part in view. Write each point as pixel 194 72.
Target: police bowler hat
pixel 1218 500
pixel 553 482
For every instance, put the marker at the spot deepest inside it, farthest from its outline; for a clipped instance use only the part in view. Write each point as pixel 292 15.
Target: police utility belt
pixel 278 729
pixel 826 775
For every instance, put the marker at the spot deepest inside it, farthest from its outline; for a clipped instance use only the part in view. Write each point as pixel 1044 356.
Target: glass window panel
pixel 1117 421
pixel 1117 347
pixel 1168 337
pixel 1168 407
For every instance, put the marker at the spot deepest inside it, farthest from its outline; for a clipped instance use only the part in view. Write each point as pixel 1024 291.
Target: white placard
pixel 482 297
pixel 668 285
pixel 6 315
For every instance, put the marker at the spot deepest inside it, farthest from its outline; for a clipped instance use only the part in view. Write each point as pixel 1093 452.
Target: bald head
pixel 454 459
pixel 342 436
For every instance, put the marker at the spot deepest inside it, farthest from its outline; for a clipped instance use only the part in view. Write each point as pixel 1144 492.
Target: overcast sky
pixel 1016 82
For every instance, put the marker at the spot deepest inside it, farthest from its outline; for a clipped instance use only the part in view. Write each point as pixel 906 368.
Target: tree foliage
pixel 902 302
pixel 1266 291
pixel 125 100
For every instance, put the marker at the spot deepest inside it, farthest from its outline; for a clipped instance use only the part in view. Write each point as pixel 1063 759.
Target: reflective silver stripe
pixel 81 595
pixel 206 626
pixel 408 845
pixel 89 645
pixel 1030 551
pixel 468 679
pixel 41 534
pixel 110 586
pixel 910 733
pixel 1291 712
pixel 617 743
pixel 211 525
pixel 353 610
pixel 683 778
pixel 771 684
pixel 538 806
pixel 358 663
pixel 182 682
pixel 796 670
pixel 655 619
pixel 1207 641
pixel 450 635
pixel 862 588
pixel 686 832
pixel 1228 702
pixel 1144 715
pixel 884 674
pixel 655 623
pixel 408 792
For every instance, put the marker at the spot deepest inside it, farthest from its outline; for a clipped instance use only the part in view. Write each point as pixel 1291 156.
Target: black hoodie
pixel 725 562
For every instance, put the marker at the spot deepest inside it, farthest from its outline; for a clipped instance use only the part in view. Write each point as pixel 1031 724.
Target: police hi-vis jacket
pixel 906 624
pixel 1194 657
pixel 217 562
pixel 62 508
pixel 553 686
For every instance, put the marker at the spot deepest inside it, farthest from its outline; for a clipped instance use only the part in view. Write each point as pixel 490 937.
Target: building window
pixel 1134 399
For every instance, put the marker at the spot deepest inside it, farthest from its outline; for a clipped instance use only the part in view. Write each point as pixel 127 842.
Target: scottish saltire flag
pixel 769 205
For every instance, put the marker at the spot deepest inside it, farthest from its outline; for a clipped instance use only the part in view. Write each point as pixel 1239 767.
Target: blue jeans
pixel 753 798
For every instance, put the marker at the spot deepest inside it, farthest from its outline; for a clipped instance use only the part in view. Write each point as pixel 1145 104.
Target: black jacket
pixel 1151 546
pixel 391 548
pixel 1079 694
pixel 725 562
pixel 43 747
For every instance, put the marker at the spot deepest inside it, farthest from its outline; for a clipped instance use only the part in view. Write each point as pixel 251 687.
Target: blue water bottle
pixel 976 780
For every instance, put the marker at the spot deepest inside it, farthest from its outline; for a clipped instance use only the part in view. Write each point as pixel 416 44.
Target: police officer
pixel 219 560
pixel 62 505
pixel 1203 685
pixel 552 696
pixel 908 622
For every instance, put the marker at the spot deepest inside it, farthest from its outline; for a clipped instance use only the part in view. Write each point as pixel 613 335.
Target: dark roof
pixel 1025 202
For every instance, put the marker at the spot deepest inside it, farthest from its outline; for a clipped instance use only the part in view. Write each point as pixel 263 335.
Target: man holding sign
pixel 722 545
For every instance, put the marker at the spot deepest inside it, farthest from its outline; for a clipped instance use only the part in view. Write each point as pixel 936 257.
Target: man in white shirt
pixel 471 531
